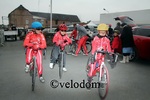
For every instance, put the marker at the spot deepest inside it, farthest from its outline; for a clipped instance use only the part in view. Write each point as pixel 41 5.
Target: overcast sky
pixel 84 9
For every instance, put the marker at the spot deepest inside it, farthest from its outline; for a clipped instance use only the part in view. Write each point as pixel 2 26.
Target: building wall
pixel 139 17
pixel 20 18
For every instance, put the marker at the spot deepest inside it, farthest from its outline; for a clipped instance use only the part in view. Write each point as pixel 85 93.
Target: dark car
pixel 141 34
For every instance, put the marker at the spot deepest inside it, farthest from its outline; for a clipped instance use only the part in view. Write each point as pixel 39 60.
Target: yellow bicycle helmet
pixel 102 27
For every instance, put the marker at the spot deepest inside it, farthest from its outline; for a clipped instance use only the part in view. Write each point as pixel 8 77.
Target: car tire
pixel 134 55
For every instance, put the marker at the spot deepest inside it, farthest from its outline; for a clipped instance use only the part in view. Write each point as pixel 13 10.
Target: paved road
pixel 127 81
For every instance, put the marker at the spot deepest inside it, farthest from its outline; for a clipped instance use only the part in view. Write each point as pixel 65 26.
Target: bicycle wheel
pixel 74 47
pixel 34 72
pixel 68 49
pixel 61 65
pixel 88 47
pixel 104 83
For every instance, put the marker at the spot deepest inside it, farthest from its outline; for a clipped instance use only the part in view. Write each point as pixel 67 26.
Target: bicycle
pixel 72 47
pixel 33 69
pixel 103 75
pixel 60 62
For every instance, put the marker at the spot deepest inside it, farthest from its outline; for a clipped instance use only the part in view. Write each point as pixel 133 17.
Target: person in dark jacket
pixel 127 42
pixel 110 31
pixel 118 27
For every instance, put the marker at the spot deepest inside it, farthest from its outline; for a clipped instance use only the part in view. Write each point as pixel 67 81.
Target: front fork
pixel 102 74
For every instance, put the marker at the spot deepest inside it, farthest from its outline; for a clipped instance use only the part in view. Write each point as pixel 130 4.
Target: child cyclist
pixel 35 41
pixel 116 42
pixel 60 40
pixel 101 42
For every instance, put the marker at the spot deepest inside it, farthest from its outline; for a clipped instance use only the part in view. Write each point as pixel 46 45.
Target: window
pixel 27 22
pixel 142 32
pixel 42 21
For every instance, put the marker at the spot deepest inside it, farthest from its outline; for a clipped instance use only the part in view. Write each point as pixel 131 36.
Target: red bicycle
pixel 98 66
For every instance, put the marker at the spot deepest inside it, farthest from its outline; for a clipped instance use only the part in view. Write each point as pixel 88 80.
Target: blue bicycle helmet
pixel 36 25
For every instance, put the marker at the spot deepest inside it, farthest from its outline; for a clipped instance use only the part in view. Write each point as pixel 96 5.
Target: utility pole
pixel 50 15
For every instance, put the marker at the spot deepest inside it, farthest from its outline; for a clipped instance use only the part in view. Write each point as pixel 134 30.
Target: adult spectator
pixel 83 36
pixel 110 32
pixel 118 27
pixel 127 42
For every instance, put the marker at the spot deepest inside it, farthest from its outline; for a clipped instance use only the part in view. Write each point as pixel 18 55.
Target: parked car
pixel 141 36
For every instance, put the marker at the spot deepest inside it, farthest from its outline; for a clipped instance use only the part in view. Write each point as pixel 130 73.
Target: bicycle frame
pixel 102 72
pixel 94 70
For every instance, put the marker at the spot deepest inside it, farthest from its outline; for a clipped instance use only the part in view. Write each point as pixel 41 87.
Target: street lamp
pixel 105 10
pixel 50 15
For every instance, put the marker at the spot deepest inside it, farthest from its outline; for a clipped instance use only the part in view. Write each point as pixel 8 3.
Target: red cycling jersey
pixel 37 39
pixel 61 39
pixel 74 34
pixel 101 43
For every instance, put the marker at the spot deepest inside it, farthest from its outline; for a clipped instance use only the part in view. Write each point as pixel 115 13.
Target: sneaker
pixel 27 68
pixel 69 53
pixel 74 54
pixel 85 54
pixel 64 69
pixel 42 79
pixel 51 65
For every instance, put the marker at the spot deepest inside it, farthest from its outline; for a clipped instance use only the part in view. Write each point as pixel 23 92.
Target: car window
pixel 142 32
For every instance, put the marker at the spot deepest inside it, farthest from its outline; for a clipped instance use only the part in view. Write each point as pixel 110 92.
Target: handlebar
pixel 103 52
pixel 113 57
pixel 37 49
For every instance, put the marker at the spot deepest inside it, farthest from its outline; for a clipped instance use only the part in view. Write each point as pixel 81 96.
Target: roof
pixel 19 8
pixel 55 16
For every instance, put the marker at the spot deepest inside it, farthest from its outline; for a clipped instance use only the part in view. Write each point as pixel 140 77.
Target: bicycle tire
pixel 71 48
pixel 68 49
pixel 104 84
pixel 74 47
pixel 34 72
pixel 88 47
pixel 61 65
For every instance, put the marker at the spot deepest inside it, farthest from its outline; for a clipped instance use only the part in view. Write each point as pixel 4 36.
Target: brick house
pixel 22 17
